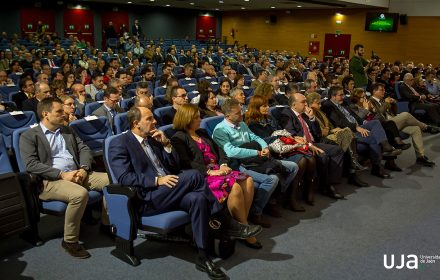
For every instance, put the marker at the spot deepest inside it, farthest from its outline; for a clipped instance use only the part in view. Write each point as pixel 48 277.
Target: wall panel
pixel 419 40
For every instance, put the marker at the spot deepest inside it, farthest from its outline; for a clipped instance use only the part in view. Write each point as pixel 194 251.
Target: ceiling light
pixel 152 0
pixel 192 3
pixel 243 8
pixel 217 9
pixel 221 1
pixel 299 6
pixel 167 5
pixel 246 0
pixel 272 7
pixel 129 2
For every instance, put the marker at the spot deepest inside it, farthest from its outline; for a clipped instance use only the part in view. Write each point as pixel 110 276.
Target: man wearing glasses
pixel 178 98
pixel 110 106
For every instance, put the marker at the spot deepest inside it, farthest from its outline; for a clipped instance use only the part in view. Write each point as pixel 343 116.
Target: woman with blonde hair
pixel 198 151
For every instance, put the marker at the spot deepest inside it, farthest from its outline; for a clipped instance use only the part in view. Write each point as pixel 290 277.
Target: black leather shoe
pixel 257 245
pixel 331 192
pixel 241 231
pixel 391 165
pixel 356 181
pixel 432 129
pixel 425 161
pixel 206 265
pixel 380 173
pixel 391 152
pixel 402 146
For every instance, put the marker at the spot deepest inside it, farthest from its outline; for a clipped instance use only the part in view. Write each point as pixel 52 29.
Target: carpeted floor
pixel 333 240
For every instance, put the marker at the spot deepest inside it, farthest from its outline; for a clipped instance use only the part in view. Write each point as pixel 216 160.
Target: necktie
pixel 51 63
pixel 347 114
pixel 160 170
pixel 307 134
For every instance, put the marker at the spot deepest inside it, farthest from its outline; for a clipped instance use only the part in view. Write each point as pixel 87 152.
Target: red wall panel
pixel 206 27
pixel 337 45
pixel 30 16
pixel 79 22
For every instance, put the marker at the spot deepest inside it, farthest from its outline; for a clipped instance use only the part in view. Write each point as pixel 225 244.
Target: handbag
pixel 264 165
pixel 286 145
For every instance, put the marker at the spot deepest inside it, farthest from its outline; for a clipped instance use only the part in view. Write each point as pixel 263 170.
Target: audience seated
pixel 370 133
pixel 144 157
pixel 312 143
pixel 418 100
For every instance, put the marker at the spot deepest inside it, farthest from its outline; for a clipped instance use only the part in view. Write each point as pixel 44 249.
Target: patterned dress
pixel 220 185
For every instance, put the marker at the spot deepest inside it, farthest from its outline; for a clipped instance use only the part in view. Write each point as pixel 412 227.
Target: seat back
pixel 9 123
pixel 91 107
pixel 6 90
pixel 275 112
pixel 16 147
pixel 99 95
pixel 397 90
pixel 186 81
pixel 125 103
pixel 168 130
pixel 120 122
pixel 93 132
pixel 160 112
pixel 210 123
pixel 5 164
pixel 107 143
pixel 159 91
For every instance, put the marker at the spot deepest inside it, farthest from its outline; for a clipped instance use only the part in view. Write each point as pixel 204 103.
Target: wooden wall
pixel 419 40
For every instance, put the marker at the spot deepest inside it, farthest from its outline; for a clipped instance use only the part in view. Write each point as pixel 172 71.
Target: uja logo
pixel 410 261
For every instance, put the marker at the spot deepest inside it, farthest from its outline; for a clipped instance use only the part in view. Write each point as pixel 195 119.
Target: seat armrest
pixel 130 192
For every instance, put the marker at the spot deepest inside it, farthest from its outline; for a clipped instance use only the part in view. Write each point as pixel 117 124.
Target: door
pixel 30 16
pixel 79 22
pixel 206 27
pixel 337 45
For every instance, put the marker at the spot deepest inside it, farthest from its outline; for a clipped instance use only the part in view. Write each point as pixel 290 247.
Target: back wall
pixel 418 40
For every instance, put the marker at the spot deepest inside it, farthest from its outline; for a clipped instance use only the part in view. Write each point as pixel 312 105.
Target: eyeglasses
pixel 114 100
pixel 183 96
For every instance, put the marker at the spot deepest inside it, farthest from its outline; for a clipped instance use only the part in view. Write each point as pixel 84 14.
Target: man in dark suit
pixel 27 91
pixel 299 120
pixel 136 29
pixel 178 98
pixel 370 133
pixel 42 90
pixel 417 100
pixel 145 157
pixel 110 107
pixel 59 157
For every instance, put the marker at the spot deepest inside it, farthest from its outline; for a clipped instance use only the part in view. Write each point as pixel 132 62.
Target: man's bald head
pixel 144 101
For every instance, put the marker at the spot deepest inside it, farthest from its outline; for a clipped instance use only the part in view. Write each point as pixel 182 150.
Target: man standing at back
pixel 358 66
